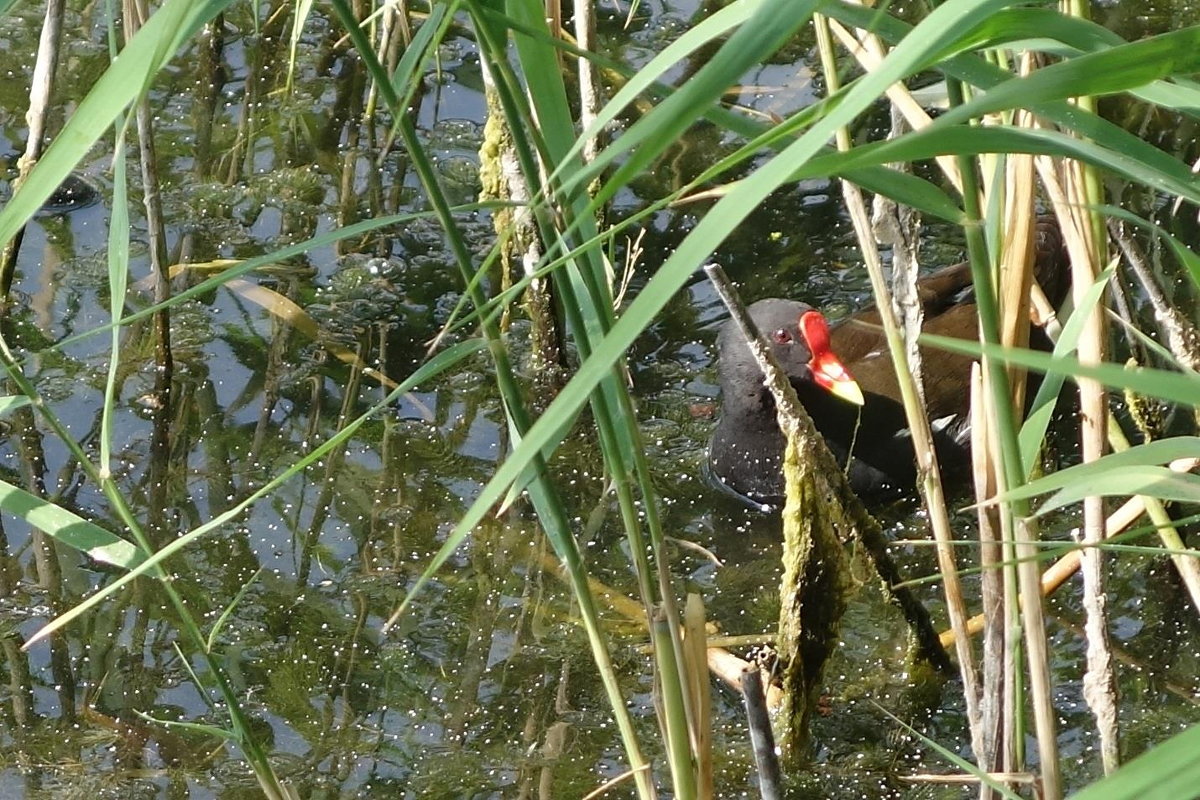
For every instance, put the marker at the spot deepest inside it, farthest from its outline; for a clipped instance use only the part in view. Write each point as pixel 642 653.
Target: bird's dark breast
pixel 748 459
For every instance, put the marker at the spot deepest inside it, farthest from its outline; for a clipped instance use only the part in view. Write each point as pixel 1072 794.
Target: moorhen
pixel 746 450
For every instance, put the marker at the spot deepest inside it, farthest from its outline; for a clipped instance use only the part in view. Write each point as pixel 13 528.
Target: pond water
pixel 486 687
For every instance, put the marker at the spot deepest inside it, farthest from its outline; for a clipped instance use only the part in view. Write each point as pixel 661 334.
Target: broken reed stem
pixel 762 741
pixel 1023 778
pixel 41 90
pixel 816 523
pixel 1038 657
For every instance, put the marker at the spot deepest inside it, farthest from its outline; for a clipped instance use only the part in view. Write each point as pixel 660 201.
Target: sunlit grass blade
pixel 1157 482
pixel 1178 387
pixel 1040 29
pixel 1158 170
pixel 69 528
pixel 1116 69
pixel 1168 771
pixel 1162 451
pixel 12 403
pixel 118 285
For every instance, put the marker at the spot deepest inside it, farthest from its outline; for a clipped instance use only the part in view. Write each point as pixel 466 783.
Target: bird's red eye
pixel 781 336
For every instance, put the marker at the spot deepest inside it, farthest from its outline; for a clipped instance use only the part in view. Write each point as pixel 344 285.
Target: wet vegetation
pixel 360 370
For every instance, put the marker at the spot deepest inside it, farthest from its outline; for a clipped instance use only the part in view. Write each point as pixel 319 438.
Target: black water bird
pixel 849 360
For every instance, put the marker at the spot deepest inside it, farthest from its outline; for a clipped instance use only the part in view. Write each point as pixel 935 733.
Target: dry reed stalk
pixel 1015 279
pixel 1038 657
pixel 695 651
pixel 41 90
pixel 1023 778
pixel 1017 256
pixel 1012 289
pixel 995 717
pixel 1188 567
pixel 589 95
pixel 1099 682
pixel 820 514
pixel 922 437
pixel 1084 193
pixel 869 51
